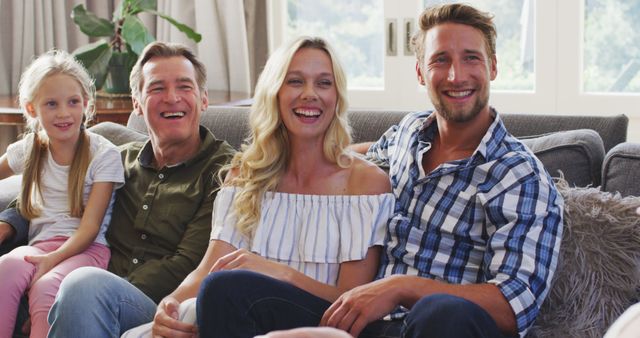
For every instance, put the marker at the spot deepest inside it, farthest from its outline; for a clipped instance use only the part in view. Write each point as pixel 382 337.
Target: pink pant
pixel 16 275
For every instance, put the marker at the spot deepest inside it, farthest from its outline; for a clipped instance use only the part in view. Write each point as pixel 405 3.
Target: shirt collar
pixel 489 143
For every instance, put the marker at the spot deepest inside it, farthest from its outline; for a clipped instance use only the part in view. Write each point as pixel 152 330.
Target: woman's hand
pixel 242 259
pixel 166 323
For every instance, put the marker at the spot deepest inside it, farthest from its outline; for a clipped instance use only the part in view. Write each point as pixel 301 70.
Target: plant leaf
pixel 95 58
pixel 143 6
pixel 136 34
pixel 90 24
pixel 191 34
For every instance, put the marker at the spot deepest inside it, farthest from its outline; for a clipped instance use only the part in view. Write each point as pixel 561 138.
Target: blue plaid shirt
pixel 495 217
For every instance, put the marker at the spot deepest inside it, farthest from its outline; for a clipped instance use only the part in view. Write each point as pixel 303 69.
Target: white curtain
pixel 231 53
pixel 230 48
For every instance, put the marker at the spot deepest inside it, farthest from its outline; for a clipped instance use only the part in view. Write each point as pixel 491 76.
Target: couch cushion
pixel 368 129
pixel 598 271
pixel 612 129
pixel 118 134
pixel 226 123
pixel 577 154
pixel 621 169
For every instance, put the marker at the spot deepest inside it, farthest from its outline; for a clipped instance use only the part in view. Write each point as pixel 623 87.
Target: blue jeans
pixel 244 304
pixel 95 303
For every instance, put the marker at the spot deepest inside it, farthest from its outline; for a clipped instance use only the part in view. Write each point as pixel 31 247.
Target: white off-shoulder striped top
pixel 311 233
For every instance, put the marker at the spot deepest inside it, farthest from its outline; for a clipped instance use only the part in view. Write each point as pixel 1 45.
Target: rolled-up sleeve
pixel 378 151
pixel 523 252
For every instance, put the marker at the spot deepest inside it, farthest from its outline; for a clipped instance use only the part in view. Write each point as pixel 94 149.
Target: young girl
pixel 69 178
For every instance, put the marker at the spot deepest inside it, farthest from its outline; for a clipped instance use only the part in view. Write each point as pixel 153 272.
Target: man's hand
pixel 166 323
pixel 362 305
pixel 6 231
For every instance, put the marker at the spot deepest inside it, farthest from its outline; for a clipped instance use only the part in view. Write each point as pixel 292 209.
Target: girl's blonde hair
pixel 265 154
pixel 48 64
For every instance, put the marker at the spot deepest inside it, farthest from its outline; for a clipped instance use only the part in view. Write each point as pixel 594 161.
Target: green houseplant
pixel 110 61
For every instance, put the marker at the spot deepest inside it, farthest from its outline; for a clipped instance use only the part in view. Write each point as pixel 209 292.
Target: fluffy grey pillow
pixel 598 272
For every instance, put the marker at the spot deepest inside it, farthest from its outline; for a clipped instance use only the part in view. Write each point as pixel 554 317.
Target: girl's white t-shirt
pixel 55 218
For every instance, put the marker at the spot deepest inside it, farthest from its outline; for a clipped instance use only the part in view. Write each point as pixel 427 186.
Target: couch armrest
pixel 621 169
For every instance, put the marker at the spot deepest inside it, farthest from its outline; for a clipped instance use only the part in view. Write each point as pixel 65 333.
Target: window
pixel 554 56
pixel 352 27
pixel 515 24
pixel 611 46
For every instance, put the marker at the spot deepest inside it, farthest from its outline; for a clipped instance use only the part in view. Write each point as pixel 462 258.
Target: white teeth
pixel 309 113
pixel 459 94
pixel 173 114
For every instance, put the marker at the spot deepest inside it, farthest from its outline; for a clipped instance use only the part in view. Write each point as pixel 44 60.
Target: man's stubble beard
pixel 458 116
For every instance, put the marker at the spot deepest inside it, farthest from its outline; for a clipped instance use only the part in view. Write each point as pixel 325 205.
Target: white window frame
pixel 558 67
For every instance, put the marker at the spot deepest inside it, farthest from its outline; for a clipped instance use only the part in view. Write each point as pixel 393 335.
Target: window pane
pixel 612 46
pixel 355 30
pixel 515 23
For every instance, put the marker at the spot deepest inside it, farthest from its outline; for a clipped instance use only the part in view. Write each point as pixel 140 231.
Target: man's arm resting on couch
pixel 14 228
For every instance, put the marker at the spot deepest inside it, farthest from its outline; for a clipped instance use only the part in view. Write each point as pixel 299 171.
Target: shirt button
pixel 135 261
pixel 161 176
pixel 143 236
pixel 145 207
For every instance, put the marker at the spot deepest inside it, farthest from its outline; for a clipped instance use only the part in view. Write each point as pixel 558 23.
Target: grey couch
pixel 587 150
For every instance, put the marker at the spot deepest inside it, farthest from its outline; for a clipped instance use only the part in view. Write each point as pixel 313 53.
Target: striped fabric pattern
pixel 494 217
pixel 311 233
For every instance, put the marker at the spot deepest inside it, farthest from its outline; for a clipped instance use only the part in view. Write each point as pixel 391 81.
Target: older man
pixel 162 216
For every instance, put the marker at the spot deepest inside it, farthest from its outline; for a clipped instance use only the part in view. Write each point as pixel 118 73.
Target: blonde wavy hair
pixel 48 64
pixel 263 158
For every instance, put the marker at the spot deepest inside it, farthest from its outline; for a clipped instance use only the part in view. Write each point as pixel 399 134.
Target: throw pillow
pixel 577 154
pixel 598 272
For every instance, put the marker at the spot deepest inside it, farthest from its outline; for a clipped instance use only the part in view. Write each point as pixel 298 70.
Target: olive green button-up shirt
pixel 161 220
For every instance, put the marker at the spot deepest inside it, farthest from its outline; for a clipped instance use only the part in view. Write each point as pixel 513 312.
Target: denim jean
pixel 96 303
pixel 244 304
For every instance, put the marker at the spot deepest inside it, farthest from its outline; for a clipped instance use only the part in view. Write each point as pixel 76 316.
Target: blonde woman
pixel 297 212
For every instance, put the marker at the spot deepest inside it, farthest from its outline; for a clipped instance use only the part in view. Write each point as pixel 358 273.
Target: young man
pixel 473 244
pixel 162 216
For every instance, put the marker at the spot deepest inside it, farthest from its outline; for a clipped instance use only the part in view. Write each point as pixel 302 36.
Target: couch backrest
pixel 230 123
pixel 577 154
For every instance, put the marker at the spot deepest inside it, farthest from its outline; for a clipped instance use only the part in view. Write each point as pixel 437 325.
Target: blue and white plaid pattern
pixel 495 217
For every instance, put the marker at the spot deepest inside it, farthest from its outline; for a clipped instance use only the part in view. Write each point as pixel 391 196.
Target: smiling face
pixel 457 71
pixel 308 96
pixel 171 102
pixel 59 106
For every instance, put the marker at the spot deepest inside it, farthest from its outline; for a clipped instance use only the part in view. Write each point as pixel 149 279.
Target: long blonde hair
pixel 265 154
pixel 48 64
